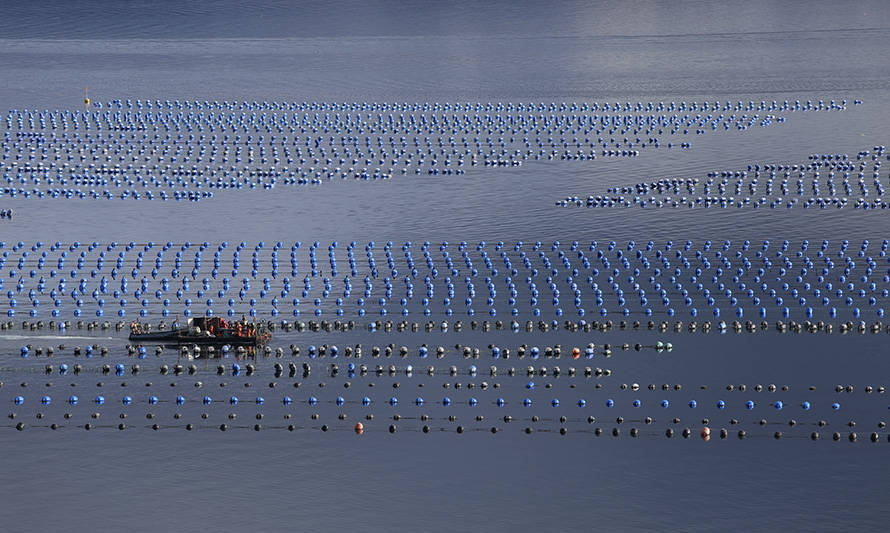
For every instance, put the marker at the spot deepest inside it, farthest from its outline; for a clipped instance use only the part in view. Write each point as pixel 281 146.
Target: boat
pixel 203 331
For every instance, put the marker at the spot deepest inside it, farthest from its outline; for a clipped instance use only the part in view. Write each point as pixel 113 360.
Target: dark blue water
pixel 171 479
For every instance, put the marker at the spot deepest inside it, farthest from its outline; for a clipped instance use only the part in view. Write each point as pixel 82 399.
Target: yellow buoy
pixel 86 97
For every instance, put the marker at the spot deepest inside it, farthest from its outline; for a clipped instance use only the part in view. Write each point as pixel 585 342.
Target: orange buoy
pixel 359 428
pixel 706 433
pixel 576 353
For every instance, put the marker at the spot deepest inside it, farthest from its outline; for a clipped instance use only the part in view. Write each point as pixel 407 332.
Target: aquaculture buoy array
pixel 826 181
pixel 186 150
pixel 846 284
pixel 285 393
pixel 425 342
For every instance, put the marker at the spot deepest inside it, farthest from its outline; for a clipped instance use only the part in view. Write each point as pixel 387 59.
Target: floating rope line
pixel 705 432
pixel 350 370
pixel 393 401
pixel 357 351
pixel 39 329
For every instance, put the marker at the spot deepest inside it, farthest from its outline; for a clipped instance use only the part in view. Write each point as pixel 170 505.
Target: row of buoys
pixel 173 153
pixel 208 401
pixel 423 351
pixel 248 371
pixel 726 202
pixel 234 401
pixel 664 326
pixel 485 326
pixel 468 400
pixel 552 107
pixel 546 283
pixel 593 426
pixel 350 370
pixel 359 429
pixel 531 373
pixel 846 184
pixel 178 195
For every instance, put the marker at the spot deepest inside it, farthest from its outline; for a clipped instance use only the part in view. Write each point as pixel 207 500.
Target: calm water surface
pixel 460 51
